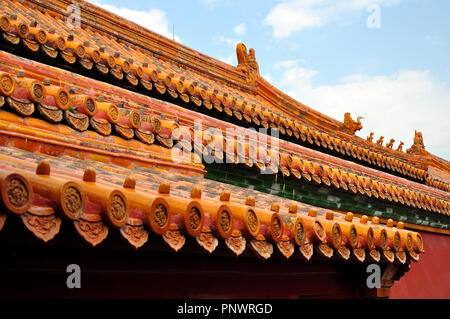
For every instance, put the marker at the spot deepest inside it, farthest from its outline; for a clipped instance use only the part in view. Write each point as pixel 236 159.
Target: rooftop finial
pixel 350 126
pixel 247 63
pixel 418 147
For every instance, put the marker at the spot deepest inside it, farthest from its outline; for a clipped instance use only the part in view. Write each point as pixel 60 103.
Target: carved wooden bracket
pixel 388 256
pixel 79 122
pixel 343 253
pixel 207 241
pixel 91 228
pixel 286 247
pixel 101 126
pixel 174 238
pixel 51 113
pixel 261 248
pixel 325 250
pixel 374 255
pixel 21 106
pixel 392 273
pixel 236 243
pixel 134 232
pixel 359 254
pixel 307 250
pixel 42 222
pixel 2 220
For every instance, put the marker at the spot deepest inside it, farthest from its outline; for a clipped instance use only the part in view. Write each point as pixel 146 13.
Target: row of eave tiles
pixel 159 75
pixel 43 196
pixel 55 103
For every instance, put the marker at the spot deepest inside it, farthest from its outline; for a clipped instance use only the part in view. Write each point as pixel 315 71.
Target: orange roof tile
pixel 107 112
pixel 101 198
pixel 101 154
pixel 130 52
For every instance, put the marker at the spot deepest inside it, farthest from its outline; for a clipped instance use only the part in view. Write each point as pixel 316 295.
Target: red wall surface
pixel 430 277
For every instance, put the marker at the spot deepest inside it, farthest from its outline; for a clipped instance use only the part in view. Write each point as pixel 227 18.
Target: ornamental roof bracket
pixel 350 126
pixel 247 63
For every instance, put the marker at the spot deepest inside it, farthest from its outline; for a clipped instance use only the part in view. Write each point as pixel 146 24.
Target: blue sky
pixel 322 53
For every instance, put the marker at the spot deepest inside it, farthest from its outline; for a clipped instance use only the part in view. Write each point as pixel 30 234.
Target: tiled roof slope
pixel 37 117
pixel 111 45
pixel 100 198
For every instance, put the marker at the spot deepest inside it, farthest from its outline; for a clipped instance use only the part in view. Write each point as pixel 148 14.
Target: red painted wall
pixel 430 277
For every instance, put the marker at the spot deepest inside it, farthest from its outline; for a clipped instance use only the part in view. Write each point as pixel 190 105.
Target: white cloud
pixel 153 19
pixel 285 64
pixel 294 15
pixel 231 59
pixel 221 39
pixel 209 3
pixel 433 39
pixel 393 106
pixel 240 29
pixel 268 77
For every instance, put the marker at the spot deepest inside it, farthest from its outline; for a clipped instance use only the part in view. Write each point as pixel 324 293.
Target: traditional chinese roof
pixel 99 198
pixel 119 51
pixel 91 116
pixel 129 129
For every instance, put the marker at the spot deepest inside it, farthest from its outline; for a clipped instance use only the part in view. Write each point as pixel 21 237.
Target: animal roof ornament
pixel 247 63
pixel 418 147
pixel 390 144
pixel 380 140
pixel 350 126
